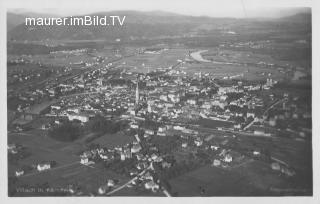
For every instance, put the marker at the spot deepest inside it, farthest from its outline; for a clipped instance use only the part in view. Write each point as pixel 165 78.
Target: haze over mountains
pixel 156 24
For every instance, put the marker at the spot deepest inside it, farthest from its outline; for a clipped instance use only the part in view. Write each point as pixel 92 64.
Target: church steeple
pixel 137 92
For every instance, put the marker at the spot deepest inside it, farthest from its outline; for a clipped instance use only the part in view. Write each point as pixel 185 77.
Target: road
pixel 124 185
pixel 280 161
pixel 264 113
pixel 166 193
pixel 274 104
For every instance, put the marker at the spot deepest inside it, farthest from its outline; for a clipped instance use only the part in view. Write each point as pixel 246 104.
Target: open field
pixel 145 61
pixel 42 148
pixel 252 179
pixel 249 56
pixel 113 140
pixel 68 169
pixel 87 178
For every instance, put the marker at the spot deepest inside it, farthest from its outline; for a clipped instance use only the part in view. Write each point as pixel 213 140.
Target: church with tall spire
pixel 137 93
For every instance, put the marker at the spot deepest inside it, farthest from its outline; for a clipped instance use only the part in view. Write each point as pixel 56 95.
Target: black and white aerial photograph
pixel 169 98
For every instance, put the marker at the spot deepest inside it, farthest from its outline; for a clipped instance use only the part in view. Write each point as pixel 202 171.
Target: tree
pixel 66 132
pixel 102 125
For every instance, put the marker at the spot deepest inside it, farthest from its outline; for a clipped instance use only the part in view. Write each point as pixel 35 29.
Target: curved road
pixel 124 185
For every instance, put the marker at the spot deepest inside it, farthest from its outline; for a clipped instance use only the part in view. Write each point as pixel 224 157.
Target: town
pixel 159 120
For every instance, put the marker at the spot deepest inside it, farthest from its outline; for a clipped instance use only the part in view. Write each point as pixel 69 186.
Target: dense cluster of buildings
pixel 164 103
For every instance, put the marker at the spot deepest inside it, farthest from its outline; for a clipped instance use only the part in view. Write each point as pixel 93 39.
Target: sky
pixel 213 8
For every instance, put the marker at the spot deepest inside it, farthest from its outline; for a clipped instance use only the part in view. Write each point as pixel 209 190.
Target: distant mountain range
pixel 142 25
pixel 14 19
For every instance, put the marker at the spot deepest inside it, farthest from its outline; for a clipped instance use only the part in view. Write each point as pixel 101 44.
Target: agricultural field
pixel 252 179
pixel 149 61
pixel 113 140
pixel 87 178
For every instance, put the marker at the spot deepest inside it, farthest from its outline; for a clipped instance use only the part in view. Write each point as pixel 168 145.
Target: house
pixel 259 132
pixel 127 153
pixel 191 101
pixel 184 144
pixel 132 112
pixel 165 164
pixel 228 158
pixel 102 189
pixel 216 162
pixel 161 134
pixel 162 129
pixel 43 166
pixel 55 107
pixel 149 132
pixel 198 142
pixel 213 147
pixel 147 176
pixel 51 92
pixel 139 156
pixel 188 131
pixel 275 166
pixel 122 156
pixel 45 126
pixel 224 90
pixel 84 160
pixel 256 153
pixel 19 172
pixel 86 154
pixel 134 126
pixel 156 158
pixel 151 185
pixel 135 148
pixel 272 122
pixel 12 148
pixel 177 127
pixel 134 172
pixel 237 126
pixel 110 183
pixel 250 114
pixel 106 156
pixel 206 105
pixel 82 118
pixel 142 165
pixel 287 171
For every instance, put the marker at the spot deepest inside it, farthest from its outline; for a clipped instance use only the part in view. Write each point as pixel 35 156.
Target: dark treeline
pixel 70 131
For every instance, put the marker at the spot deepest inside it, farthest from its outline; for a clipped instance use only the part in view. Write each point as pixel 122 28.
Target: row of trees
pixel 70 131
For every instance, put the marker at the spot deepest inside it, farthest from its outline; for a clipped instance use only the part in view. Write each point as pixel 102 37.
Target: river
pixel 197 56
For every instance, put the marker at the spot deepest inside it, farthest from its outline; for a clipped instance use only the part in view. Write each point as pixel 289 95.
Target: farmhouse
pixel 19 172
pixel 43 166
pixel 82 118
